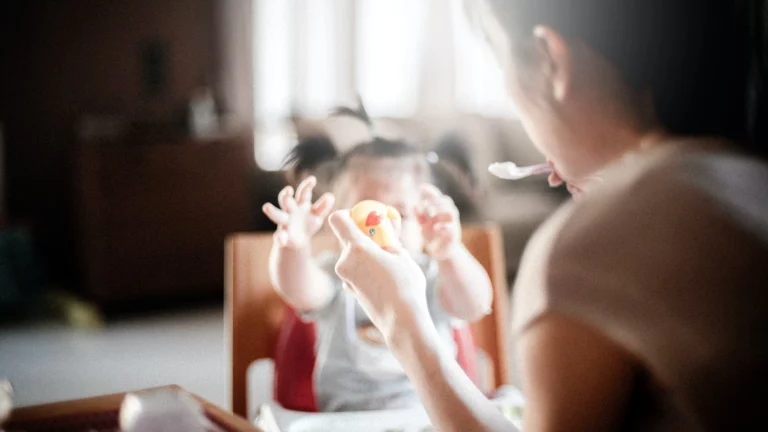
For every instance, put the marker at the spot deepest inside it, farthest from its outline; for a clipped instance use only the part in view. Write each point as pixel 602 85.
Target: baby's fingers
pixel 422 214
pixel 431 193
pixel 286 200
pixel 276 215
pixel 447 204
pixel 446 231
pixel 323 205
pixel 442 217
pixel 304 191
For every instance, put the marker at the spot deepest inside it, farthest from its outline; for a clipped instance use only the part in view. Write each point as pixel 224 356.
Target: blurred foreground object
pixel 6 400
pixel 103 413
pixel 163 410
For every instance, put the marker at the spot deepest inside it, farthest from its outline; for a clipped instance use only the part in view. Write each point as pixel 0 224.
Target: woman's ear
pixel 555 56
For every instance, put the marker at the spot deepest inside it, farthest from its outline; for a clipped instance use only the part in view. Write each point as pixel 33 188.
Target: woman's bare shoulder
pixel 665 212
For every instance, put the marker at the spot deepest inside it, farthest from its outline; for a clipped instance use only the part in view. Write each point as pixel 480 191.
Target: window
pixel 389 49
pixel 480 81
pixel 402 56
pixel 273 65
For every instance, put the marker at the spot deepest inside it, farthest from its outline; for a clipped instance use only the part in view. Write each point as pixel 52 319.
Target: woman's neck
pixel 652 139
pixel 629 142
pixel 626 144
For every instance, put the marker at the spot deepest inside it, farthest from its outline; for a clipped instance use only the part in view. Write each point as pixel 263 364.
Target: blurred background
pixel 136 135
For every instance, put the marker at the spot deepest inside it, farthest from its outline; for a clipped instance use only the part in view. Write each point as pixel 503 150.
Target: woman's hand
pixel 440 224
pixel 391 288
pixel 389 285
pixel 298 219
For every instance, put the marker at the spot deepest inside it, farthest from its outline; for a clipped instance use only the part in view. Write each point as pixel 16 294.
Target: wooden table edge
pixel 111 402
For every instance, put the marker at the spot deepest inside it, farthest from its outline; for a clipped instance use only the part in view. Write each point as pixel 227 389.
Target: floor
pixel 51 362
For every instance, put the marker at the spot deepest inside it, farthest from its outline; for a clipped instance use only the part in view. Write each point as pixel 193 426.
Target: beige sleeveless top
pixel 669 259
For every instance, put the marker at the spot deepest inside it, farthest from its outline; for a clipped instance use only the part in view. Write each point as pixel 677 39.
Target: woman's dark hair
pixel 696 57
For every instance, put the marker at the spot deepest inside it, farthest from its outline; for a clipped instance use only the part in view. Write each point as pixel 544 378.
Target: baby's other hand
pixel 298 219
pixel 440 224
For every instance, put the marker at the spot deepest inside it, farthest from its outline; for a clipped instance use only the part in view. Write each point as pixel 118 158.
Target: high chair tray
pixel 273 418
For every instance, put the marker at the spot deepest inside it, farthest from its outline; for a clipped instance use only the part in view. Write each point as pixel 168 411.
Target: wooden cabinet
pixel 152 219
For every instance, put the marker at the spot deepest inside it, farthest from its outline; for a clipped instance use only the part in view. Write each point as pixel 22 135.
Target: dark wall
pixel 62 59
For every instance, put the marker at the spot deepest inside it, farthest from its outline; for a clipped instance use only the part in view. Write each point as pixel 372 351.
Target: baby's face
pixel 400 192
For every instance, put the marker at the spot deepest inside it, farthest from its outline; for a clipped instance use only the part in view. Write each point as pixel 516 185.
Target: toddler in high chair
pixel 354 370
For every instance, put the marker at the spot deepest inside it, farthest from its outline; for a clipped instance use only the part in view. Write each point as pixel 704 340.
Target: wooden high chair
pixel 254 311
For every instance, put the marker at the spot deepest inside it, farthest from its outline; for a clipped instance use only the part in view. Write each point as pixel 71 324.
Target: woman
pixel 641 305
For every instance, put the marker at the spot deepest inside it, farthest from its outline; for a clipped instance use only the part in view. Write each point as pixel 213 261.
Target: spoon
pixel 510 171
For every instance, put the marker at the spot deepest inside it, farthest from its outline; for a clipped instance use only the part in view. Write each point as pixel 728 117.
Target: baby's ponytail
pixel 377 148
pixel 310 153
pixel 360 114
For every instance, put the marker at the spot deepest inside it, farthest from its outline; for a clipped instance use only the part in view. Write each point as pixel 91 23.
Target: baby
pixel 354 370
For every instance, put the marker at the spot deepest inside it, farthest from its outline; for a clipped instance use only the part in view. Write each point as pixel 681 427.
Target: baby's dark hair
pixel 312 155
pixel 453 147
pixel 453 174
pixel 377 147
pixel 309 153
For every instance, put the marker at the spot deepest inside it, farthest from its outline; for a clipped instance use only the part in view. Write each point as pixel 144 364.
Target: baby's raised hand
pixel 297 218
pixel 440 225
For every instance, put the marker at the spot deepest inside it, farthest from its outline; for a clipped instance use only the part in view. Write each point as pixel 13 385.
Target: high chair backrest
pixel 255 312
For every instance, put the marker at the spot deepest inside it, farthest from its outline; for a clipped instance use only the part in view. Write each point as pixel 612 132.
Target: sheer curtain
pixel 389 45
pixel 406 58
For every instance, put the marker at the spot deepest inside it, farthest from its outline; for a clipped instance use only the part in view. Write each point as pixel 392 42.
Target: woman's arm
pixel 575 378
pixel 453 402
pixel 390 286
